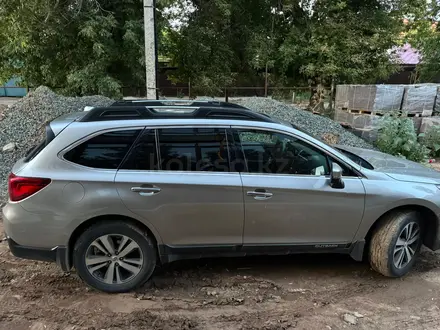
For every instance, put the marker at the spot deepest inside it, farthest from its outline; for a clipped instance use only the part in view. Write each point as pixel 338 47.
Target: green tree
pixel 423 33
pixel 96 46
pixel 344 41
pixel 312 41
pixel 223 41
pixel 80 46
pixel 201 49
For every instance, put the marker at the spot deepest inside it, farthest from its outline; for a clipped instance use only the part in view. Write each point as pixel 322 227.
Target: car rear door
pixel 288 198
pixel 178 180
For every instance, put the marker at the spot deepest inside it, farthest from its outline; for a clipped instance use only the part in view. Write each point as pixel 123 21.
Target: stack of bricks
pixel 359 107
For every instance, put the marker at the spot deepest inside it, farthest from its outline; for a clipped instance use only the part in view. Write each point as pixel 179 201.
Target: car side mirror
pixel 336 177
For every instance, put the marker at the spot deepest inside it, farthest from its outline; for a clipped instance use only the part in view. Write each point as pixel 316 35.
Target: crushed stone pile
pixel 320 127
pixel 3 109
pixel 23 124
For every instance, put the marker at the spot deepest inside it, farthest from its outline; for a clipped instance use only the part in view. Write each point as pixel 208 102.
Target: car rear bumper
pixel 39 230
pixel 26 252
pixel 57 254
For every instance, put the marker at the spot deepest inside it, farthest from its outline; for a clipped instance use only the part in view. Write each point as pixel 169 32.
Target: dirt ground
pixel 270 293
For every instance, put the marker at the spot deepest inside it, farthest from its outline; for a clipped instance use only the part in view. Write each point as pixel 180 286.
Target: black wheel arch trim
pixel 430 221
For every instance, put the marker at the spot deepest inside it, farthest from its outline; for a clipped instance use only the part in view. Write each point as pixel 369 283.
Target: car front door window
pixel 276 153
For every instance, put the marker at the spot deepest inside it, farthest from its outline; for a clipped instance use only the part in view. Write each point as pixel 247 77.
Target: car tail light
pixel 20 187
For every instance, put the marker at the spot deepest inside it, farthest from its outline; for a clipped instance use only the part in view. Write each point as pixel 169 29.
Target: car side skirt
pixel 170 253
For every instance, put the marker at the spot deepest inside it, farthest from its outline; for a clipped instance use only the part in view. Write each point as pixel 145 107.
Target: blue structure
pixel 11 89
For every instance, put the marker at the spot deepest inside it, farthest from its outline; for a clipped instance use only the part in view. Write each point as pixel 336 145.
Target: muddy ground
pixel 270 293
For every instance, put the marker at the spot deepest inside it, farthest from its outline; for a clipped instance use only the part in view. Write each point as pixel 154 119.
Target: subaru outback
pixel 115 191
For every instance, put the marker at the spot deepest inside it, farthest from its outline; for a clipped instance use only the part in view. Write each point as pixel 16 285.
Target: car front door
pixel 288 198
pixel 178 180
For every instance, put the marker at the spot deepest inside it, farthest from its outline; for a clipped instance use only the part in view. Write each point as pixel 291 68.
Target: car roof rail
pixel 178 102
pixel 171 112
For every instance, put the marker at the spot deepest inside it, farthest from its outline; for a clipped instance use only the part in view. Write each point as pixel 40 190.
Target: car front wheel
pixel 114 257
pixel 395 244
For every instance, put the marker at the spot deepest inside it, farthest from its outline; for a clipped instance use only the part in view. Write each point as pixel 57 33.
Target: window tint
pixel 103 151
pixel 193 149
pixel 270 152
pixel 143 155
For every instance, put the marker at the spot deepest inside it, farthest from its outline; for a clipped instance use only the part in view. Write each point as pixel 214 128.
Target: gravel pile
pixel 3 109
pixel 319 126
pixel 24 121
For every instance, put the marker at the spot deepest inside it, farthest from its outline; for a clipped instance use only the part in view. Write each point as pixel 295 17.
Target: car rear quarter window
pixel 105 151
pixel 193 149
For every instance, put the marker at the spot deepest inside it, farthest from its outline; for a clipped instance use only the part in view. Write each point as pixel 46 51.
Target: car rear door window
pixel 143 155
pixel 105 151
pixel 276 153
pixel 193 149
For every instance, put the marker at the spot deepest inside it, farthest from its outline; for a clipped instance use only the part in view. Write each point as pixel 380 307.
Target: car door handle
pixel 146 191
pixel 260 194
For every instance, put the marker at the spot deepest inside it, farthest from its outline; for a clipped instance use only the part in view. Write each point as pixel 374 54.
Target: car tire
pixel 390 253
pixel 109 272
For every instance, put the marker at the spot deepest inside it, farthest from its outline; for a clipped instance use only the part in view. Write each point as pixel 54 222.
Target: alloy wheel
pixel 114 259
pixel 406 245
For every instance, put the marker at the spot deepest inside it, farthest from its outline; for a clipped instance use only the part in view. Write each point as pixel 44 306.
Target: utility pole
pixel 150 48
pixel 269 51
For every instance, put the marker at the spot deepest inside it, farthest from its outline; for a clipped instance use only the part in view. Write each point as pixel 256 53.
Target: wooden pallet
pixel 414 115
pixel 365 112
pixel 361 112
pixel 378 113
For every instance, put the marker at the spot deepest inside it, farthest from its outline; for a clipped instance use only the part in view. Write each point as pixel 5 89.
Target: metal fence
pixel 292 94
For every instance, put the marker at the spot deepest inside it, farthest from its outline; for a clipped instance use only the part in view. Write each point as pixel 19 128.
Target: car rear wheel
pixel 114 257
pixel 395 244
